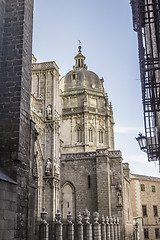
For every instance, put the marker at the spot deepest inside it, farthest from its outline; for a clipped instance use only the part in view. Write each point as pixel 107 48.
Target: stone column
pixel 79 227
pixel 87 234
pixel 111 228
pixel 108 229
pixel 96 227
pixel 43 227
pixel 70 227
pixel 103 228
pixel 118 230
pixel 58 226
pixel 115 228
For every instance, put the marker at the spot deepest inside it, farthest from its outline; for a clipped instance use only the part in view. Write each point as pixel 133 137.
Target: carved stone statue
pixel 56 168
pixel 48 167
pixel 119 198
pixel 49 112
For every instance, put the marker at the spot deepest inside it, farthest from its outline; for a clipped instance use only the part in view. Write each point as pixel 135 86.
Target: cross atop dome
pixel 79 58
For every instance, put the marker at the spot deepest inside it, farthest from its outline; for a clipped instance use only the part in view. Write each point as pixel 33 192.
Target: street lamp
pixel 142 141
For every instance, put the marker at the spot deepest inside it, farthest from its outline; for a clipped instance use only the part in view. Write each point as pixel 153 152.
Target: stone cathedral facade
pixel 75 162
pixel 45 112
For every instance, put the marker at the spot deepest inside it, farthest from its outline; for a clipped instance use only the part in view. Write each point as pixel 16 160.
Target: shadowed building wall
pixel 16 130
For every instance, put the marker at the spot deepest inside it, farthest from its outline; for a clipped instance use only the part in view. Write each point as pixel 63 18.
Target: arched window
pixel 78 62
pixel 100 136
pixel 90 135
pixel 82 62
pixel 79 135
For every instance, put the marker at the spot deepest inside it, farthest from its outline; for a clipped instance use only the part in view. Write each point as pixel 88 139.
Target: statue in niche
pixel 48 167
pixel 119 196
pixel 56 168
pixel 49 112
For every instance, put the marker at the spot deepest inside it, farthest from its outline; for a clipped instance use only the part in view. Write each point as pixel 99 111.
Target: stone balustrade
pixel 73 156
pixel 115 154
pixel 101 229
pixel 87 155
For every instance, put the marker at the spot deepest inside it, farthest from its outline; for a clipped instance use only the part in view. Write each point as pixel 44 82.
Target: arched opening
pixel 68 200
pixel 90 133
pixel 79 135
pixel 100 136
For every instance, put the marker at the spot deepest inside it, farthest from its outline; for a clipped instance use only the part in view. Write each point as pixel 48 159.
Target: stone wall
pixel 8 198
pixel 15 82
pixel 76 172
pixel 45 112
pixel 2 13
pixel 127 202
pixel 15 78
pixel 104 171
pixel 103 184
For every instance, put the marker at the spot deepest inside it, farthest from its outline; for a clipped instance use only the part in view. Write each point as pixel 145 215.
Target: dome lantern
pixel 79 58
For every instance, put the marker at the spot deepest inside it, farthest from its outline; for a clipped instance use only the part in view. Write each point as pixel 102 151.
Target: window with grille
pixel 157 235
pixel 90 135
pixel 146 233
pixel 79 135
pixel 100 136
pixel 144 210
pixel 155 211
pixel 142 187
pixel 153 189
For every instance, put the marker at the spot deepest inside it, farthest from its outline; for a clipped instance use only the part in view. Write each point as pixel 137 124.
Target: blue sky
pixel 110 46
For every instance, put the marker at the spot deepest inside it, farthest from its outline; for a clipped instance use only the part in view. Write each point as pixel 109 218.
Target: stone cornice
pixel 115 154
pixel 78 110
pixel 78 156
pixel 84 155
pixel 83 91
pixel 45 66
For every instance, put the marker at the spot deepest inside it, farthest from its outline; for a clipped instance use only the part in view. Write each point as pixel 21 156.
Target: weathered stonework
pixel 92 174
pixel 87 117
pixel 45 112
pixel 16 130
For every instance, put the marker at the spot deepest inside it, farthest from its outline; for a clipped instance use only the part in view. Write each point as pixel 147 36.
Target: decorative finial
pixel 43 215
pixel 110 106
pixel 79 47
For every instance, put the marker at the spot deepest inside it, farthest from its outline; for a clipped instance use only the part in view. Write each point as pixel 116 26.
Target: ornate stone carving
pixel 40 113
pixel 119 196
pixel 56 168
pixel 48 167
pixel 49 182
pixel 49 126
pixel 35 172
pixel 78 119
pixel 74 156
pixel 49 112
pixel 115 154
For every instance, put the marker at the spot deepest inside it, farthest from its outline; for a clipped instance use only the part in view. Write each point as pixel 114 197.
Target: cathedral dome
pixel 80 78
